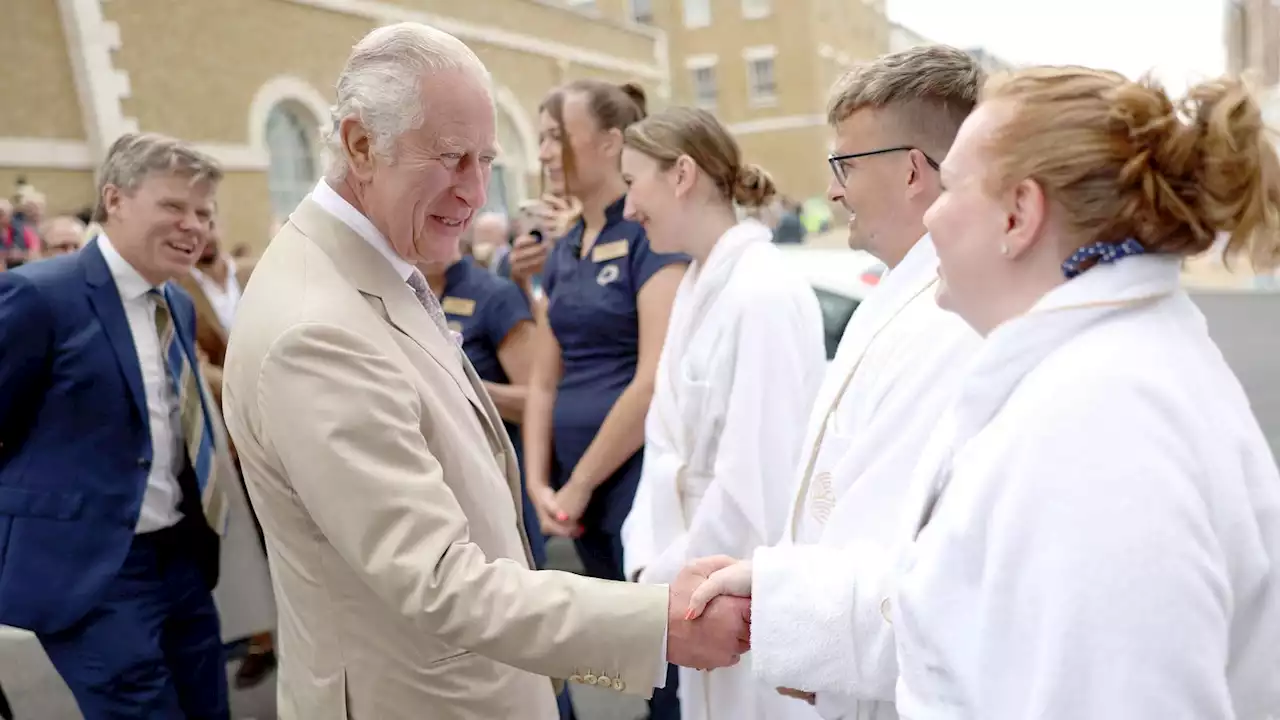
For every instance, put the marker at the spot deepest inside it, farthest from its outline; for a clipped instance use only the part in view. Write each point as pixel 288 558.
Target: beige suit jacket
pixel 389 495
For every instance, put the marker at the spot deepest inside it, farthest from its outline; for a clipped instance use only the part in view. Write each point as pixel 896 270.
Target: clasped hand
pixel 729 580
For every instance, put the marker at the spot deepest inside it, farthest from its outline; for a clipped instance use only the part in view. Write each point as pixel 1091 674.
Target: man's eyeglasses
pixel 837 161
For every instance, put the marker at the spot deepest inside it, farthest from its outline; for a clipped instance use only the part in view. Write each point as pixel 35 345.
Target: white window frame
pixel 302 162
pixel 631 13
pixel 755 54
pixel 756 9
pixel 700 20
pixel 693 64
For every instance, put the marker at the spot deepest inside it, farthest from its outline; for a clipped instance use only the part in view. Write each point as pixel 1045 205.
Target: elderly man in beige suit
pixel 378 465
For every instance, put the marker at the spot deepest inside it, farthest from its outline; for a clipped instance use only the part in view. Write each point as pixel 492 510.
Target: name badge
pixel 609 251
pixel 458 306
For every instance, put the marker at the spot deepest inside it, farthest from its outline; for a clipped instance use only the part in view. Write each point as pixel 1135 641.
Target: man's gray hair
pixel 133 156
pixel 381 84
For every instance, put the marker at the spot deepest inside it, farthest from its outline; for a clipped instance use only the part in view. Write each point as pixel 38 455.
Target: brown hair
pixel 613 107
pixel 133 156
pixel 1122 160
pixel 697 133
pixel 931 89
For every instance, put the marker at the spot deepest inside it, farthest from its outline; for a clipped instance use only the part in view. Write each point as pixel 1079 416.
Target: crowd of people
pixel 1028 485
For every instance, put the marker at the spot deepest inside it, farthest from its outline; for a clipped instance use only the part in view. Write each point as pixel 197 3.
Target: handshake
pixel 709 614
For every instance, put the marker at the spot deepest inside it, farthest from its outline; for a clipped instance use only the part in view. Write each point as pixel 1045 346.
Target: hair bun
pixel 637 95
pixel 1195 168
pixel 753 187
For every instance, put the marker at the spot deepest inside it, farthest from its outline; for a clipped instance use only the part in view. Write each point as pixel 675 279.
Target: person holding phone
pixel 608 300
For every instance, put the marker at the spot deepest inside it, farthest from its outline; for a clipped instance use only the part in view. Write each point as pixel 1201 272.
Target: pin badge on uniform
pixel 607 274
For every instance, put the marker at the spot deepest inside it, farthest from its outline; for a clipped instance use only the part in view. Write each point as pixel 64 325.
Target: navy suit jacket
pixel 75 440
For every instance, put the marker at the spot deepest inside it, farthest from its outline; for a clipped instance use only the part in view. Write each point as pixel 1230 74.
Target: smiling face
pixel 877 190
pixel 595 151
pixel 159 227
pixel 654 199
pixel 987 237
pixel 423 199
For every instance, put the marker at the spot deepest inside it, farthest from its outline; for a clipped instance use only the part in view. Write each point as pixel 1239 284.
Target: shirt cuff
pixel 660 680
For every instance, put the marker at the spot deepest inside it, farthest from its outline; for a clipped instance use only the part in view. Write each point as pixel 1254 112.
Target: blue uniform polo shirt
pixel 592 311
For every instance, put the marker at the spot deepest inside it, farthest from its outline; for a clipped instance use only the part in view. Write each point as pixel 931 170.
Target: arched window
pixel 291 173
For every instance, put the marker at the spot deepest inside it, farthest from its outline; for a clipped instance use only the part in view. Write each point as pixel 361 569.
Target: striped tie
pixel 197 427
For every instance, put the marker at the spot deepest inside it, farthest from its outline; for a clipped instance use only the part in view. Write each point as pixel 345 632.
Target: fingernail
pixel 562 517
pixel 689 615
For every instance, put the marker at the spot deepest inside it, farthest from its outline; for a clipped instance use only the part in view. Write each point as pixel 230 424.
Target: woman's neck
pixel 598 200
pixel 704 230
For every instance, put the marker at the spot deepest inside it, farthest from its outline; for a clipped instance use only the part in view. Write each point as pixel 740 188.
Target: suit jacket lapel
pixel 373 275
pixel 107 305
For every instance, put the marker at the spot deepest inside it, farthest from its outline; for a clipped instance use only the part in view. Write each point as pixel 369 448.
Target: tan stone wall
pixel 546 21
pixel 39 92
pixel 244 210
pixel 795 158
pixel 66 191
pixel 194 72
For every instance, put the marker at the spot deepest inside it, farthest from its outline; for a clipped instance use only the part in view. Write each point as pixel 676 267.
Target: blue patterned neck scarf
pixel 1099 252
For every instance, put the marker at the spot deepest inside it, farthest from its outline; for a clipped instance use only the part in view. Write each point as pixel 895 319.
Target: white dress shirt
pixel 334 204
pixel 160 501
pixel 222 296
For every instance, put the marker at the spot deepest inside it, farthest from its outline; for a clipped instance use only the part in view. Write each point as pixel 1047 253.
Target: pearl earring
pixel 1004 249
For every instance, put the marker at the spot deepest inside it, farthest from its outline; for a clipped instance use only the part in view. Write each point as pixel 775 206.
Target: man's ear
pixel 357 145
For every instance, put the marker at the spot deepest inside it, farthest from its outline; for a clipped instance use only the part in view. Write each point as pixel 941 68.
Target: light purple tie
pixel 418 284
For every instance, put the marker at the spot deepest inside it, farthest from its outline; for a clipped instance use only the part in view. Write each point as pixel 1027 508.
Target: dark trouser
pixel 601 556
pixel 5 711
pixel 152 649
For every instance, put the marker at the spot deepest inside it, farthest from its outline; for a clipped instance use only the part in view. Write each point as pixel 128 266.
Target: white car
pixel 841 278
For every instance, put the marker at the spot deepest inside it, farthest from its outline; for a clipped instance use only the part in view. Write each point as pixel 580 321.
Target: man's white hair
pixel 381 84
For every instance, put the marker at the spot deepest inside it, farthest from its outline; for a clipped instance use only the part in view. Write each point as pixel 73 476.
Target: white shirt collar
pixel 129 282
pixel 334 204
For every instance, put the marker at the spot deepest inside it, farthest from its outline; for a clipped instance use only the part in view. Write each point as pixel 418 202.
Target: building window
pixel 755 9
pixel 702 71
pixel 697 13
pixel 291 172
pixel 642 11
pixel 496 201
pixel 762 84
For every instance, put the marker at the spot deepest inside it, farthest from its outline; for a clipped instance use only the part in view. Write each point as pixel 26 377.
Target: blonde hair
pixel 678 131
pixel 931 89
pixel 133 156
pixel 1122 160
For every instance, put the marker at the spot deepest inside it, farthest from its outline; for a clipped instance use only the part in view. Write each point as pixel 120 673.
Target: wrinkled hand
pixel 808 697
pixel 572 501
pixel 720 637
pixel 733 580
pixel 549 512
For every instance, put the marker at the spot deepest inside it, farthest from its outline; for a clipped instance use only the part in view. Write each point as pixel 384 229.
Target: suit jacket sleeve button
pixel 144 463
pixel 619 685
pixel 575 678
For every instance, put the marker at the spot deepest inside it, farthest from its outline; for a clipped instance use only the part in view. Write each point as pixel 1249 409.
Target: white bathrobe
pixel 816 606
pixel 742 362
pixel 1101 522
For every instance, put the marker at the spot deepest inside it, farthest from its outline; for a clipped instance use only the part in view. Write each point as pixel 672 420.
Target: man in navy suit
pixel 110 493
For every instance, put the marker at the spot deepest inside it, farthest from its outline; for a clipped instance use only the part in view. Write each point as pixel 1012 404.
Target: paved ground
pixel 37 693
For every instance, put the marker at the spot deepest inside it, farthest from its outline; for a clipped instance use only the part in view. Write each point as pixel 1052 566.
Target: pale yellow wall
pixel 194 72
pixel 66 191
pixel 244 210
pixel 39 92
pixel 797 159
